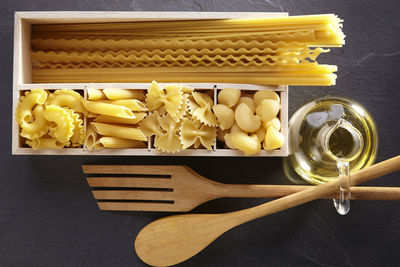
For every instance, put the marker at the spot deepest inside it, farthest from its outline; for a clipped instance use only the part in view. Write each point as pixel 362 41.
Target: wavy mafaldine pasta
pixel 118 131
pixel 120 143
pixel 108 109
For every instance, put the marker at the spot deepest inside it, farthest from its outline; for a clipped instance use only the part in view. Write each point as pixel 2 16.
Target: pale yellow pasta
pixel 190 132
pixel 98 145
pixel 221 134
pixel 91 115
pixel 108 109
pixel 202 110
pixel 63 123
pixel 268 109
pixel 250 145
pixel 229 97
pixel 182 110
pixel 66 98
pixel 273 139
pixel 225 116
pixel 78 137
pixel 260 95
pixel 27 103
pixel 246 120
pixel 168 141
pixel 260 134
pixel 46 142
pixel 96 94
pixel 110 119
pixel 132 104
pixel 117 94
pixel 171 97
pixel 235 128
pixel 118 131
pixel 150 125
pixel 228 141
pixel 90 137
pixel 115 142
pixel 249 102
pixel 187 90
pixel 275 122
pixel 38 127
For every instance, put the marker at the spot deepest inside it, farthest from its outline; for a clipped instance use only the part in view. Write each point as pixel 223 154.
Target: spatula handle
pixel 315 192
pixel 276 191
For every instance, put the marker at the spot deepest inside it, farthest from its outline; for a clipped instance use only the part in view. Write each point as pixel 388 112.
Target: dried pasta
pixel 169 140
pixel 27 103
pixel 250 145
pixel 260 95
pixel 46 142
pixel 91 138
pixel 273 139
pixel 246 120
pixel 171 97
pixel 96 94
pixel 201 109
pixel 118 94
pixel 150 125
pixel 108 109
pixel 63 128
pixel 249 102
pixel 66 98
pixel 268 109
pixel 190 132
pixel 115 142
pixel 225 116
pixel 118 131
pixel 38 127
pixel 110 119
pixel 229 97
pixel 132 104
pixel 275 123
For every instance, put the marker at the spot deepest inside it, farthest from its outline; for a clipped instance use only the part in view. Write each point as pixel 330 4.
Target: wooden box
pixel 23 68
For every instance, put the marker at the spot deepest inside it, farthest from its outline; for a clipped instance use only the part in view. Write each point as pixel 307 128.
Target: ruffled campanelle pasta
pixel 115 142
pixel 250 145
pixel 225 116
pixel 268 109
pixel 27 103
pixel 229 97
pixel 108 109
pixel 38 127
pixel 117 94
pixel 245 118
pixel 66 98
pixel 110 119
pixel 46 142
pixel 64 123
pixel 118 131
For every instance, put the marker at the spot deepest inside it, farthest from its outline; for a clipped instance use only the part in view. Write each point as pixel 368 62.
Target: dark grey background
pixel 49 218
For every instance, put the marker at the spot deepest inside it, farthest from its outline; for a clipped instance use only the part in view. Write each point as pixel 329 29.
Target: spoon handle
pixel 364 175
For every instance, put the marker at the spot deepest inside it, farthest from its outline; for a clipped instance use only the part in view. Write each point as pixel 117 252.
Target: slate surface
pixel 49 218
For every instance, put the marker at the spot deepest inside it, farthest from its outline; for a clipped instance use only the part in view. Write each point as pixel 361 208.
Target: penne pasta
pixel 110 119
pixel 118 131
pixel 108 109
pixel 115 142
pixel 132 104
pixel 96 94
pixel 117 94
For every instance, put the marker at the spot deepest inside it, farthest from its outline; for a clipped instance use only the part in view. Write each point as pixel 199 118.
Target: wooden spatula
pixel 180 189
pixel 173 239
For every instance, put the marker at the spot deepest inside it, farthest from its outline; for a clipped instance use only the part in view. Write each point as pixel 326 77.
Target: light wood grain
pixel 189 189
pixel 174 239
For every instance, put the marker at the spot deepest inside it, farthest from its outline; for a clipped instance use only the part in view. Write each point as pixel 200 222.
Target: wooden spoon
pixel 174 239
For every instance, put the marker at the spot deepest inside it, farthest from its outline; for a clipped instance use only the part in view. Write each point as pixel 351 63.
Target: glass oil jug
pixel 330 137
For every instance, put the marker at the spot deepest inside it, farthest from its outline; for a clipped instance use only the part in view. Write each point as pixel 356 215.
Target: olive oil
pixel 326 131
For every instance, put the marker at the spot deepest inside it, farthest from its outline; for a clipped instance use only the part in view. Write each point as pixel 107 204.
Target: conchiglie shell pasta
pixel 260 134
pixel 250 145
pixel 275 123
pixel 259 96
pixel 221 134
pixel 246 120
pixel 249 102
pixel 228 141
pixel 229 97
pixel 273 139
pixel 268 109
pixel 225 116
